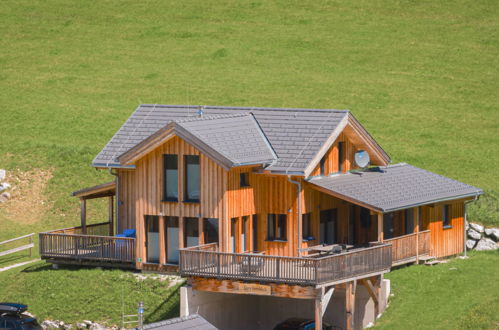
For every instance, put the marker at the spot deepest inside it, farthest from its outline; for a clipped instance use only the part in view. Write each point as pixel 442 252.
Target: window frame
pixel 187 199
pixel 278 223
pixel 165 182
pixel 446 216
pixel 244 179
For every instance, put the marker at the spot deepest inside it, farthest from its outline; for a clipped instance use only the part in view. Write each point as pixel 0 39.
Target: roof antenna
pixel 201 111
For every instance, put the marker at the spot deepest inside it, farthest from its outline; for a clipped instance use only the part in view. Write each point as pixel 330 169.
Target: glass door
pixel 171 227
pixel 152 238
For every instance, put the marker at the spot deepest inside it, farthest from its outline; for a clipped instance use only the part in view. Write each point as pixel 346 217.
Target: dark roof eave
pixel 117 166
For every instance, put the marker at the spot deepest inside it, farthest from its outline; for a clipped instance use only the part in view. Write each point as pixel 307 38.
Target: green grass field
pixel 422 77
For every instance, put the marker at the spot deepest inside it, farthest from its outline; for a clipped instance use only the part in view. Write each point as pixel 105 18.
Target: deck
pixel 94 247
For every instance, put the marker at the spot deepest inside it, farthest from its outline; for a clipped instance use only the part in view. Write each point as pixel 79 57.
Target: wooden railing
pixel 409 246
pixel 206 261
pixel 100 229
pixel 64 244
pixel 11 250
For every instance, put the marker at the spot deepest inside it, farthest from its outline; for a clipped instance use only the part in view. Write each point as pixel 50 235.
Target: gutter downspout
pixel 298 216
pixel 465 221
pixel 117 180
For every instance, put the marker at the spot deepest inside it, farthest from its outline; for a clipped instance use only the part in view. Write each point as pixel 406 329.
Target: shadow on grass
pixel 10 260
pixel 169 308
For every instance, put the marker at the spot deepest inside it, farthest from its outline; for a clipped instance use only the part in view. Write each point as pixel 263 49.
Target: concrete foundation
pixel 251 312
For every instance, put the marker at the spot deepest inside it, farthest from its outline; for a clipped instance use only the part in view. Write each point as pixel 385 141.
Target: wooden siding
pixel 444 241
pixel 331 157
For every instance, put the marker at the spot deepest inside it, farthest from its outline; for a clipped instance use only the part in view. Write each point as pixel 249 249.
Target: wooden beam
pixel 111 215
pixel 417 216
pixel 162 240
pixel 380 227
pixel 83 216
pixel 374 293
pixel 348 306
pixel 325 300
pixel 318 311
pixel 240 287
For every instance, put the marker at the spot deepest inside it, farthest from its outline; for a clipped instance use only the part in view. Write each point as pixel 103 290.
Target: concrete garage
pixel 229 311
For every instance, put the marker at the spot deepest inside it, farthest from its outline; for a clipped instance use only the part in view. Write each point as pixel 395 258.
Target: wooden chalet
pixel 262 201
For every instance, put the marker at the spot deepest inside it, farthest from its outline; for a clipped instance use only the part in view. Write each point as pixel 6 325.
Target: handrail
pixel 29 246
pixel 17 238
pixel 76 227
pixel 406 235
pixel 94 236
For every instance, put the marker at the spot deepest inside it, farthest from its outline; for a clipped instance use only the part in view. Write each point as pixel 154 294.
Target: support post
pixel 351 287
pixel 380 227
pixel 417 211
pixel 162 240
pixel 318 311
pixel 111 215
pixel 83 216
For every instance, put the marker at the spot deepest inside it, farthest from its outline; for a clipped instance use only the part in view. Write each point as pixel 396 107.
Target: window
pixel 170 184
pixel 328 226
pixel 409 221
pixel 191 232
pixel 306 226
pixel 192 191
pixel 388 225
pixel 152 238
pixel 210 230
pixel 233 232
pixel 351 224
pixel 365 218
pixel 254 223
pixel 446 216
pixel 340 156
pixel 323 165
pixel 171 245
pixel 244 235
pixel 276 229
pixel 244 179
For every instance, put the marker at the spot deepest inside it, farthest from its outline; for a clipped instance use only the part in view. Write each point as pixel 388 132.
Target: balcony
pixel 91 245
pixel 208 261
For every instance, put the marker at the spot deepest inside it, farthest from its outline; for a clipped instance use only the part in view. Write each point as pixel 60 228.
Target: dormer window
pixel 323 166
pixel 244 179
pixel 340 156
pixel 192 179
pixel 170 184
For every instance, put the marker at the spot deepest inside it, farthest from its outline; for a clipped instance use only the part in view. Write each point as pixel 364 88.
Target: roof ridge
pixel 211 117
pixel 242 108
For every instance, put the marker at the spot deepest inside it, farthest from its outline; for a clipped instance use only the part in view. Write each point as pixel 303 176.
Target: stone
pixel 4 186
pixel 5 196
pixel 470 244
pixel 486 244
pixel 97 326
pixel 492 233
pixel 474 234
pixel 48 324
pixel 87 322
pixel 466 225
pixel 3 173
pixel 477 227
pixel 81 325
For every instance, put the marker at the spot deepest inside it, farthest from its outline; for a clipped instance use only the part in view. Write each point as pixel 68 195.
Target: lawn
pixel 74 294
pixel 461 294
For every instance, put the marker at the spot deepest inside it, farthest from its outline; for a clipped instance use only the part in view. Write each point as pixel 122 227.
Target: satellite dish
pixel 362 158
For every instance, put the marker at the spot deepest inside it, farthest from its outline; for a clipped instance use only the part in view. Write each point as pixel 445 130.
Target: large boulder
pixel 97 326
pixel 3 173
pixel 477 227
pixel 4 186
pixel 474 234
pixel 48 324
pixel 492 233
pixel 470 244
pixel 486 244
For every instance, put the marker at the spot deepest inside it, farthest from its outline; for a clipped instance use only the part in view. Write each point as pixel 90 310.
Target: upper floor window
pixel 446 220
pixel 322 165
pixel 276 229
pixel 340 156
pixel 192 178
pixel 170 184
pixel 244 179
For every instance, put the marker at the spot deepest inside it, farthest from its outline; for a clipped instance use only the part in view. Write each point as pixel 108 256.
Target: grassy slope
pixel 74 295
pixel 461 294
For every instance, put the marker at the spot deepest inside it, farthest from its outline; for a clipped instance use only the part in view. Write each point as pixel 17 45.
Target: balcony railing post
pixel 278 268
pixel 218 264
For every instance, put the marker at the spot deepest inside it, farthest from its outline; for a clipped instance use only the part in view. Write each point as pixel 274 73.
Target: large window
pixel 340 156
pixel 276 229
pixel 328 226
pixel 172 229
pixel 388 225
pixel 409 221
pixel 210 230
pixel 152 238
pixel 306 226
pixel 191 232
pixel 192 190
pixel 446 216
pixel 170 184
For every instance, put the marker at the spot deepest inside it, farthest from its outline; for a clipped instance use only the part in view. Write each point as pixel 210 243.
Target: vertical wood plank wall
pixel 331 157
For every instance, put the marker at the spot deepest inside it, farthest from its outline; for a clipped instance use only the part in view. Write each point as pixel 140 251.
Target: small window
pixel 446 216
pixel 306 226
pixel 210 230
pixel 192 185
pixel 323 166
pixel 276 227
pixel 170 184
pixel 191 232
pixel 244 179
pixel 340 156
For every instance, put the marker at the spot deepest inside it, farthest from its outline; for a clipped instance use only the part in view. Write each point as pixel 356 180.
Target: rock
pixel 4 186
pixel 477 227
pixel 5 196
pixel 81 325
pixel 87 322
pixel 28 314
pixel 466 225
pixel 493 233
pixel 48 324
pixel 470 244
pixel 474 234
pixel 97 326
pixel 486 244
pixel 3 173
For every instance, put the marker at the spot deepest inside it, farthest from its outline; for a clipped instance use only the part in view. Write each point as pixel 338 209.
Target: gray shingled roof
pixel 237 137
pixel 182 323
pixel 296 135
pixel 395 187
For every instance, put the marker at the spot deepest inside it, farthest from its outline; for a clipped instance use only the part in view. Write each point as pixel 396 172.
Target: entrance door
pixel 328 226
pixel 171 227
pixel 152 238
